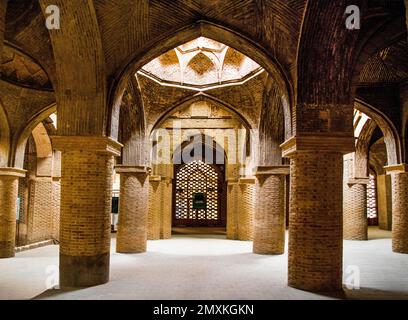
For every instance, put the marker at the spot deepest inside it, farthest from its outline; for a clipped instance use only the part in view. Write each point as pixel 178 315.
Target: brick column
pixel 269 222
pixel 166 209
pixel 399 178
pixel 240 208
pixel 86 191
pixel 246 208
pixel 153 221
pixel 316 202
pixel 8 209
pixel 133 209
pixel 160 208
pixel 355 223
pixel 232 209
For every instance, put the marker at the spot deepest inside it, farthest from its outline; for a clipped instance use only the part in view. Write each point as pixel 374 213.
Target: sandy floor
pixel 197 267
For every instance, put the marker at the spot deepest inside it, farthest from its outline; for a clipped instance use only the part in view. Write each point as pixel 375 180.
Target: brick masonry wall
pixel 315 226
pixel 269 222
pixel 400 212
pixel 43 210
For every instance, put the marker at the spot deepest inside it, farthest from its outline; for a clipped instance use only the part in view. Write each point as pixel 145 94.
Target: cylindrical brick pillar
pixel 246 208
pixel 86 195
pixel 315 223
pixel 133 209
pixel 8 209
pixel 400 212
pixel 355 223
pixel 269 223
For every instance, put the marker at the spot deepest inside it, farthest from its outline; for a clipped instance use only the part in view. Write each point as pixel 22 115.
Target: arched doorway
pixel 198 195
pixel 199 191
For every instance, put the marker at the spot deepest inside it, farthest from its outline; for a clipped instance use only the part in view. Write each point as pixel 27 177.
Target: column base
pixel 87 271
pixel 7 249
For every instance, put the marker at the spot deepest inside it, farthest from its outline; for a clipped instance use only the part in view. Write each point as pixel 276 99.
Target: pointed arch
pixel 391 137
pixel 201 96
pixel 201 28
pixel 20 140
pixel 81 91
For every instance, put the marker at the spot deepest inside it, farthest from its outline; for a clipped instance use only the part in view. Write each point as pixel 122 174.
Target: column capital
pixel 132 169
pixel 232 181
pixel 396 168
pixel 97 144
pixel 360 180
pixel 155 178
pixel 283 170
pixel 12 172
pixel 332 143
pixel 247 180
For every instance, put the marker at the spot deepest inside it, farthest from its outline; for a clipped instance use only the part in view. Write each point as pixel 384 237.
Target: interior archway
pixel 199 190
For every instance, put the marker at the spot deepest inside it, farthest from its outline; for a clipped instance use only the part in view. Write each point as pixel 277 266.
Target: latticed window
pixel 196 193
pixel 372 200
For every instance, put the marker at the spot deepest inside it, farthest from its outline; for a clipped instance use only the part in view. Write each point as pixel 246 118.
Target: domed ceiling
pixel 201 64
pixel 19 69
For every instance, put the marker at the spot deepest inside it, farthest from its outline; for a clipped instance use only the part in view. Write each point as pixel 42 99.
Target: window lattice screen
pixel 371 198
pixel 196 177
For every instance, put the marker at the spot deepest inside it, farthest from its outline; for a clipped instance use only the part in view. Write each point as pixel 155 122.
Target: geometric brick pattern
pixel 194 177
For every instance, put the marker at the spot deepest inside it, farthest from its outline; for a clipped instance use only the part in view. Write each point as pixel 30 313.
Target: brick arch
pixel 361 164
pixel 4 137
pixel 383 35
pixel 202 28
pixel 20 140
pixel 81 88
pixel 275 125
pixel 132 127
pixel 199 97
pixel 391 137
pixel 216 147
pixel 318 81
